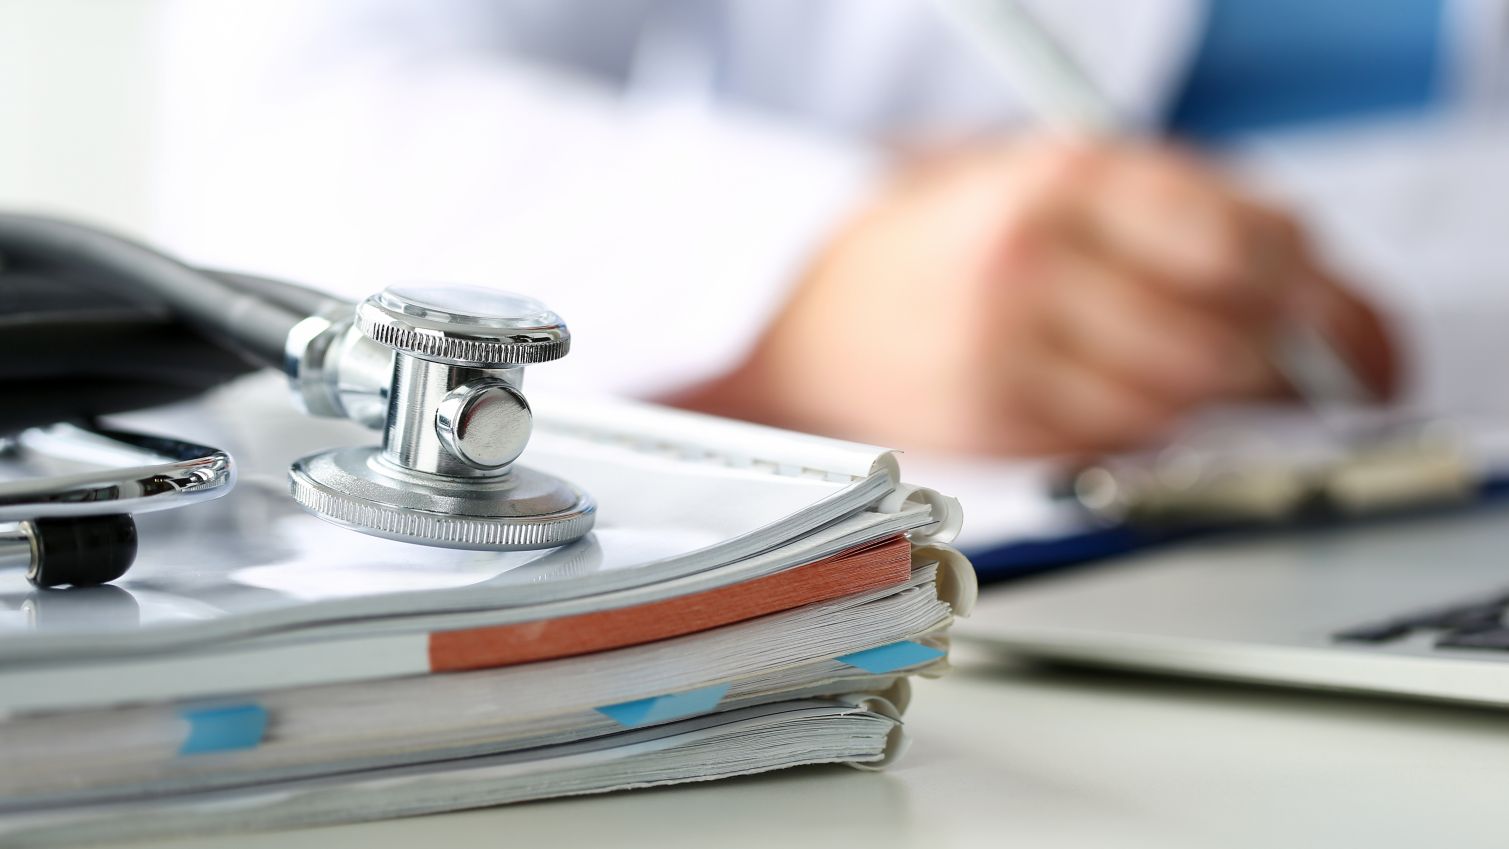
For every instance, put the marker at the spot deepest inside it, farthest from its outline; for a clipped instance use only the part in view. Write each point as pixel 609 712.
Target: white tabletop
pixel 1006 756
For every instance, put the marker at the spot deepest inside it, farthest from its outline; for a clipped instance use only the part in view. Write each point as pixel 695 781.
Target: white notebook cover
pixel 680 496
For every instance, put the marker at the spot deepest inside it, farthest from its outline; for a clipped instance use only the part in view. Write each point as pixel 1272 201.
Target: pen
pixel 1062 94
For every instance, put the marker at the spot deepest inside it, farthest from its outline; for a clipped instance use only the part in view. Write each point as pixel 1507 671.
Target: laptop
pixel 1410 607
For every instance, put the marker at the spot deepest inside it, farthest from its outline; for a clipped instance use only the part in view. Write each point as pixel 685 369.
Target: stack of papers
pixel 750 600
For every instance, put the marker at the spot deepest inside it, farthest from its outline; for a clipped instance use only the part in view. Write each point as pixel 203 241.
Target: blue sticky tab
pixel 892 657
pixel 223 729
pixel 658 709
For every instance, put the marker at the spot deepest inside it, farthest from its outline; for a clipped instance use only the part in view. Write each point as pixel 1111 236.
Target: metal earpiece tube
pixel 77 528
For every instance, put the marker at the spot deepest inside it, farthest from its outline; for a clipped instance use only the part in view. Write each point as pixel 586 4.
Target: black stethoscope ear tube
pixel 90 334
pixel 216 308
pixel 92 323
pixel 83 551
pixel 59 366
pixel 77 528
pixel 77 551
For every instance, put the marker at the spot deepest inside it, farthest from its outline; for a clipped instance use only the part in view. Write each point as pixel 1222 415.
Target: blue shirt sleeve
pixel 1270 64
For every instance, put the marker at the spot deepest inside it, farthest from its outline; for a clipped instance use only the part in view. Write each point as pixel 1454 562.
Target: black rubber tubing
pixel 215 305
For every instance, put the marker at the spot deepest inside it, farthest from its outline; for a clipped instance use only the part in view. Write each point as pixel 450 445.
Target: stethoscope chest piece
pixel 456 422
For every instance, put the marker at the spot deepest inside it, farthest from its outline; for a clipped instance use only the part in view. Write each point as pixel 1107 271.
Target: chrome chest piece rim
pixel 526 509
pixel 456 421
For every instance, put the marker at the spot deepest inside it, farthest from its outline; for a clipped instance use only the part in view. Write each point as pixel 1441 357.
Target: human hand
pixel 1044 297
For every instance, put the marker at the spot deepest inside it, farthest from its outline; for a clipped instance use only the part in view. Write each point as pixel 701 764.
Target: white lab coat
pixel 659 171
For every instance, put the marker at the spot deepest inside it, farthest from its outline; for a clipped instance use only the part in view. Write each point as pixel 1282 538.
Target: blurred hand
pixel 1043 297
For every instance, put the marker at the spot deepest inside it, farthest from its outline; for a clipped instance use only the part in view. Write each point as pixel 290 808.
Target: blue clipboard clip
pixel 1128 504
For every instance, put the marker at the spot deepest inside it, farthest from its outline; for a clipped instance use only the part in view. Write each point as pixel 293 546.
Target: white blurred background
pixel 175 122
pixel 131 113
pixel 76 134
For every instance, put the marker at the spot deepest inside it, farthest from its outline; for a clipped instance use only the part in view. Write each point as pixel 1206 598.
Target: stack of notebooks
pixel 750 600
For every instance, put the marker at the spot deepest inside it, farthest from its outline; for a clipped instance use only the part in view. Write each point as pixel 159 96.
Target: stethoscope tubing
pixel 250 314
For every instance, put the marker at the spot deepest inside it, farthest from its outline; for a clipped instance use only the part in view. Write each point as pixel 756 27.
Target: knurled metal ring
pixel 539 511
pixel 453 345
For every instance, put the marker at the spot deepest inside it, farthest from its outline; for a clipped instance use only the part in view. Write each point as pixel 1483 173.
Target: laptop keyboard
pixel 1473 625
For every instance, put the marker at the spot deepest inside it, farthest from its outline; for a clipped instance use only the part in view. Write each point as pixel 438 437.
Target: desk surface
pixel 1007 756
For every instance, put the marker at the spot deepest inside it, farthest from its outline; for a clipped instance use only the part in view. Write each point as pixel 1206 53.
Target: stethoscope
pixel 98 324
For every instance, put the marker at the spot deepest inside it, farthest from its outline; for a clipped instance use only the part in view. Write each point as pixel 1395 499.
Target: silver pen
pixel 1063 95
